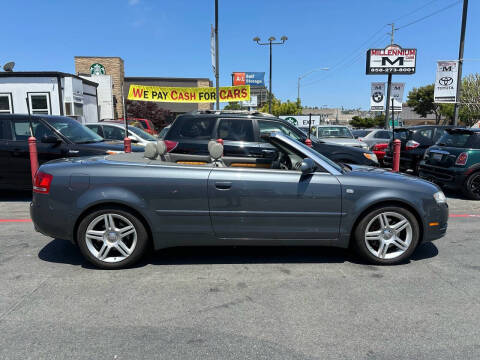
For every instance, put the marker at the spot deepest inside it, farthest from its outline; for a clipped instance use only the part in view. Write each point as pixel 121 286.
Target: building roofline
pixel 98 57
pixel 56 74
pixel 143 78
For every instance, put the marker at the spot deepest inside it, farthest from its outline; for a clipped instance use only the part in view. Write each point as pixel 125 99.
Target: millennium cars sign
pixel 391 60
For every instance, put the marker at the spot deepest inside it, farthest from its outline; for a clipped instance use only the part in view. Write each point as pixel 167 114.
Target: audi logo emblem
pixel 445 81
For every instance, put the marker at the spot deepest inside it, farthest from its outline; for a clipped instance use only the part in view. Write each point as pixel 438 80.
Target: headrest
pixel 161 147
pixel 210 143
pixel 151 151
pixel 215 150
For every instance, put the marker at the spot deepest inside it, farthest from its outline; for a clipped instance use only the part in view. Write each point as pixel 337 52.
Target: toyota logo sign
pixel 445 81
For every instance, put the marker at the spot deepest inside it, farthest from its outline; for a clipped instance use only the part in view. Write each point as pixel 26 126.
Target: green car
pixel 454 161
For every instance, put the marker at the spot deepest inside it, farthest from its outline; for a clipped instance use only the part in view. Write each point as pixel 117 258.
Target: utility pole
pixel 389 84
pixel 217 76
pixel 306 74
pixel 460 63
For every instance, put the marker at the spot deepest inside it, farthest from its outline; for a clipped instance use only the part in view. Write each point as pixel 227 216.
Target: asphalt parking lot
pixel 245 303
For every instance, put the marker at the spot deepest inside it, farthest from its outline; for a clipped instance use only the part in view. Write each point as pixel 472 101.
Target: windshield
pixel 361 133
pixel 307 150
pixel 73 130
pixel 139 132
pixel 334 132
pixel 457 139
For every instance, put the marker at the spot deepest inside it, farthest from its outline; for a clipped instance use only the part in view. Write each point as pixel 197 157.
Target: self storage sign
pixel 188 94
pixel 391 60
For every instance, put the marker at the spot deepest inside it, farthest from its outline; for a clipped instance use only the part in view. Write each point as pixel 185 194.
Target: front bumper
pixel 445 177
pixel 437 214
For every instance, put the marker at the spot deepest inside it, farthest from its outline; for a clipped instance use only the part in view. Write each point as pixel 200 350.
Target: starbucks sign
pixel 97 69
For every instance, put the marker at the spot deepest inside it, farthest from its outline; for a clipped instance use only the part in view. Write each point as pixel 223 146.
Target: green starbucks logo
pixel 292 120
pixel 97 69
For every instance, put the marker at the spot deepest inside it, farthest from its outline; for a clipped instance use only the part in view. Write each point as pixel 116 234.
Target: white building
pixel 49 92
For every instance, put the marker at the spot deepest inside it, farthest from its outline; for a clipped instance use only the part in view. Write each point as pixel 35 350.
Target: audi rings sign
pixel 377 97
pixel 391 60
pixel 446 82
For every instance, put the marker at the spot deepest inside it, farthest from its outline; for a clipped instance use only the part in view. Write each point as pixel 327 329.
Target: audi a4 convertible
pixel 113 207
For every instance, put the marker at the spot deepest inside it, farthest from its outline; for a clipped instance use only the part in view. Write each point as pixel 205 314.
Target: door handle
pixel 223 185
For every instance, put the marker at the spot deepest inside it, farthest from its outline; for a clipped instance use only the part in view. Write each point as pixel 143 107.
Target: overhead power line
pixel 430 15
pixel 414 11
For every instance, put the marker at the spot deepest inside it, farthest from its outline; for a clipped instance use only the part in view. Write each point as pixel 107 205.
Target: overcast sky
pixel 171 38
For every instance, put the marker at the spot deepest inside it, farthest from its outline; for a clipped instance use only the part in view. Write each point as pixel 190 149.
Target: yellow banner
pixel 188 94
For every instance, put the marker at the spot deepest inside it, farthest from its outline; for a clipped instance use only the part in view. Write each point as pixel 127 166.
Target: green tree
pixel 469 112
pixel 421 100
pixel 283 108
pixel 233 105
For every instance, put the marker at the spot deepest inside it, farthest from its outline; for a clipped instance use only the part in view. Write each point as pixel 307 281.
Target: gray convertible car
pixel 113 207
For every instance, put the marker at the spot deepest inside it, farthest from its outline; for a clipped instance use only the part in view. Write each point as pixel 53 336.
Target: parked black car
pixel 242 136
pixel 57 137
pixel 415 141
pixel 454 162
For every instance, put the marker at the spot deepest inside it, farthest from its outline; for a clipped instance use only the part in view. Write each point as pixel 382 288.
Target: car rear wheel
pixel 112 238
pixel 387 235
pixel 472 186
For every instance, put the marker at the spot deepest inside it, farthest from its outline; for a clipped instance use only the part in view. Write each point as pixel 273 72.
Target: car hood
pixel 345 142
pixel 372 175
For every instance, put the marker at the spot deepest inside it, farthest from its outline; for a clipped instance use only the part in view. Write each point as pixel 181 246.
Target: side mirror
pixel 308 166
pixel 133 140
pixel 50 139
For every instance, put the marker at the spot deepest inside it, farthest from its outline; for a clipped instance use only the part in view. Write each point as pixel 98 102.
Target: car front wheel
pixel 387 235
pixel 112 238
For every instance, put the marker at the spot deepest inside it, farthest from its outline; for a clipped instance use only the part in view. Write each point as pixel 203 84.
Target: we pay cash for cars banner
pixel 188 94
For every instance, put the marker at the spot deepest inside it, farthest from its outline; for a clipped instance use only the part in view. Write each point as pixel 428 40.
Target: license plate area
pixel 437 157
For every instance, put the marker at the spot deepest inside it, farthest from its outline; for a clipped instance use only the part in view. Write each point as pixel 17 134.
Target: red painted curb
pixel 15 220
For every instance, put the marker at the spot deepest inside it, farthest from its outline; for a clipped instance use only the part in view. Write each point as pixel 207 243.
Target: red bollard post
pixel 396 155
pixel 32 149
pixel 308 142
pixel 127 143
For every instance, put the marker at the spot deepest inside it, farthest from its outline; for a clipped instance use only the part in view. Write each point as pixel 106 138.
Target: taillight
pixel 462 159
pixel 170 145
pixel 411 144
pixel 380 147
pixel 41 183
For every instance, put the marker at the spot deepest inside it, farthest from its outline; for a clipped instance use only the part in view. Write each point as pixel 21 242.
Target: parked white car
pixel 338 134
pixel 116 131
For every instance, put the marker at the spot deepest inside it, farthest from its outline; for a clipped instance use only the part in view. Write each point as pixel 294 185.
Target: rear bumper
pixel 55 224
pixel 380 154
pixel 445 177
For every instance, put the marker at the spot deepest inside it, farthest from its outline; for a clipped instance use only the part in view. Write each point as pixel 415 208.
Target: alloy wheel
pixel 111 237
pixel 388 235
pixel 475 185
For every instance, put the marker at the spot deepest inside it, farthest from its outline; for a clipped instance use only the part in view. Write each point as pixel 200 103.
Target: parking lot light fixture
pixel 271 41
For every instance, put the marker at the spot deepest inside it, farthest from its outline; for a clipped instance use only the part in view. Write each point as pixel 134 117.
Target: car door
pixel 258 204
pixel 18 147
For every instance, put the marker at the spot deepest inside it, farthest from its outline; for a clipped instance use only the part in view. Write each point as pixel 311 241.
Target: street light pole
pixel 271 41
pixel 304 75
pixel 217 76
pixel 460 62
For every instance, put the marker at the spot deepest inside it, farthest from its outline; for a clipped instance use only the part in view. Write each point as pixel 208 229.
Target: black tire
pixel 359 243
pixel 142 239
pixel 471 187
